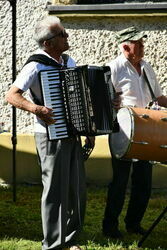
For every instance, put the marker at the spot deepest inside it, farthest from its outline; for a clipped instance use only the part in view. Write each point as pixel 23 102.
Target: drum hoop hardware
pixel 164 119
pixel 145 116
pixel 140 142
pixel 163 146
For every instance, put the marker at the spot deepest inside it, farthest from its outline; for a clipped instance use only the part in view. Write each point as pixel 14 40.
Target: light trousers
pixel 64 190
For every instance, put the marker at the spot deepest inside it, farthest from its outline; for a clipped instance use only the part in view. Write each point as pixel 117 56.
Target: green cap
pixel 130 34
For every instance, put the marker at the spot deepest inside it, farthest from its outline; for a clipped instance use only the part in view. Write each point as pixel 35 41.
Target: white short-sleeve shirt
pixel 28 78
pixel 125 78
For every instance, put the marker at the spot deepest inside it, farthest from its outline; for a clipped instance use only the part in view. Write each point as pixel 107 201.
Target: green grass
pixel 20 222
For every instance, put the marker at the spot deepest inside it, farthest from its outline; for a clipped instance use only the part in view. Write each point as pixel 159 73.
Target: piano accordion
pixel 81 99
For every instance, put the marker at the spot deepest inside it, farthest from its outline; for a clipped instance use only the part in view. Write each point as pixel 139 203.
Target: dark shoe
pixel 136 230
pixel 113 233
pixel 111 230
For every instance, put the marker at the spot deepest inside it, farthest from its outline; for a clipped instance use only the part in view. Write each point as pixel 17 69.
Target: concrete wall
pixel 98 166
pixel 92 42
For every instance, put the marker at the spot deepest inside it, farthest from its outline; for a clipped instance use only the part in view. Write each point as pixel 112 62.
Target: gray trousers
pixel 64 190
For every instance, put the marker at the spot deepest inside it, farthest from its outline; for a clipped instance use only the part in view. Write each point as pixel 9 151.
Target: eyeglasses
pixel 62 33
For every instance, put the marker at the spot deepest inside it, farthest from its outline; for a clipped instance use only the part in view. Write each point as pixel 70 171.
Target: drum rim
pixel 132 128
pixel 131 135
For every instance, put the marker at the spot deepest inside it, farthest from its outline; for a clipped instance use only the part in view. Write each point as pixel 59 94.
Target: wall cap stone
pixel 110 9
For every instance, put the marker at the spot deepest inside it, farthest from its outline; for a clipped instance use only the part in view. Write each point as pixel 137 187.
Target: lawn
pixel 20 227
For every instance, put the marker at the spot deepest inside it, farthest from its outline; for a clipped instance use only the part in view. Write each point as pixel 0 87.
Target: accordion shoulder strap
pixel 149 85
pixel 65 58
pixel 40 58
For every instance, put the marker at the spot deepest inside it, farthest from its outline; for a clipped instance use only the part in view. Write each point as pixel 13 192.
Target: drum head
pixel 120 141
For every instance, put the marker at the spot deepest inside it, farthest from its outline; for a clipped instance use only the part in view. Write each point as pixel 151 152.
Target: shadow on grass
pixel 93 220
pixel 21 219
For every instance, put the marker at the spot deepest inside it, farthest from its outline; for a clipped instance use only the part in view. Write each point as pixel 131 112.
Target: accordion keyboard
pixel 53 98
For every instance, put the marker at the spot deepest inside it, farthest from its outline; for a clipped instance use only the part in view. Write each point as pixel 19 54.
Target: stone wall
pixel 91 39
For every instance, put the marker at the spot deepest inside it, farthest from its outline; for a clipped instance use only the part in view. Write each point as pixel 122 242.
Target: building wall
pixel 91 39
pixel 92 42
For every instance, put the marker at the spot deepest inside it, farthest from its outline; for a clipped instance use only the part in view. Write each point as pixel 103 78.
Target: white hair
pixel 42 29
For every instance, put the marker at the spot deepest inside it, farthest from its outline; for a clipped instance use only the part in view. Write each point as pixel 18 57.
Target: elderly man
pixel 128 77
pixel 62 167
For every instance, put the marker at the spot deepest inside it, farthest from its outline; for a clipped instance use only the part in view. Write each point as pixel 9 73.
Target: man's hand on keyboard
pixel 45 114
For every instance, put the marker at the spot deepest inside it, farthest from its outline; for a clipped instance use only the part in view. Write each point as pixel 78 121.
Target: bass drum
pixel 142 135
